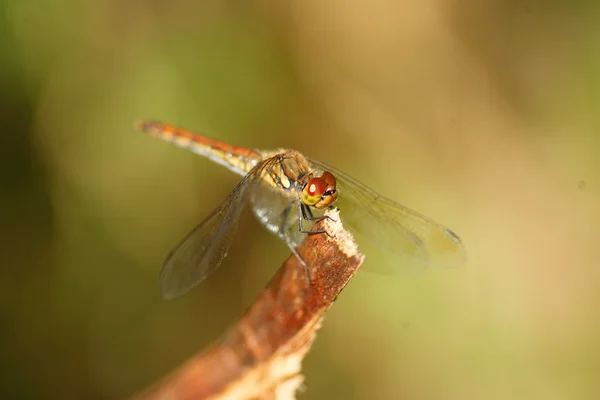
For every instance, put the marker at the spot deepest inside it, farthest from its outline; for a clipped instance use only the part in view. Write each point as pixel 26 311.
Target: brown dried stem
pixel 260 357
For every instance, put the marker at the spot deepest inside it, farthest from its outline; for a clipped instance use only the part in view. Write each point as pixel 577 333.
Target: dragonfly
pixel 289 193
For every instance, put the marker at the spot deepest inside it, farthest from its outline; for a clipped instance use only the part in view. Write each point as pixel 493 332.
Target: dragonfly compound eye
pixel 329 179
pixel 314 191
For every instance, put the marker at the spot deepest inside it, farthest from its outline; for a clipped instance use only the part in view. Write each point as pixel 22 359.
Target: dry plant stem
pixel 260 357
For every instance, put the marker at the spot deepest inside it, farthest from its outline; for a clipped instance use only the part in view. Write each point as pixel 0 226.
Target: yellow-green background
pixel 484 115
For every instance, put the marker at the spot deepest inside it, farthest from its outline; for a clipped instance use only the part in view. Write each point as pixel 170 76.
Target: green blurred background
pixel 482 115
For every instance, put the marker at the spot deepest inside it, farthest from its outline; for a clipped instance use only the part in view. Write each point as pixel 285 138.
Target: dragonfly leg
pixel 307 215
pixel 291 246
pixel 282 230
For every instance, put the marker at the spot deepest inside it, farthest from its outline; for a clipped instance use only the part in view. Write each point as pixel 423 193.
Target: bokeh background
pixel 482 115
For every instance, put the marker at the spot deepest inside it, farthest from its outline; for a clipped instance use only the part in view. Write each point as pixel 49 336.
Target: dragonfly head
pixel 320 191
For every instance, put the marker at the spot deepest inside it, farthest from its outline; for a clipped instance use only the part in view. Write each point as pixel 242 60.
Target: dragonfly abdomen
pixel 238 159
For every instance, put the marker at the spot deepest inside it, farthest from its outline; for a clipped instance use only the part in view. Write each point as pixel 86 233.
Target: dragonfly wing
pixel 204 248
pixel 417 241
pixel 271 209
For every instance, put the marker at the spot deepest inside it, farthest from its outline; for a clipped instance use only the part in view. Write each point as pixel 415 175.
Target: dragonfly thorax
pixel 293 173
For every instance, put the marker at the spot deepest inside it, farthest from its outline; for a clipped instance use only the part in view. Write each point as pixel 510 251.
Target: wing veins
pixel 203 249
pixel 375 217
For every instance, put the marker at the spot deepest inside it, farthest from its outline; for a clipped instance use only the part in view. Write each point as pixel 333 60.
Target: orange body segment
pixel 238 159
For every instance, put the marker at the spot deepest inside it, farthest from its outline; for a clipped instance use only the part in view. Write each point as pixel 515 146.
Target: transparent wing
pixel 417 241
pixel 270 207
pixel 204 248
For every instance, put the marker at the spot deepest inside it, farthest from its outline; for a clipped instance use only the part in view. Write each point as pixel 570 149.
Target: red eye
pixel 316 187
pixel 329 179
